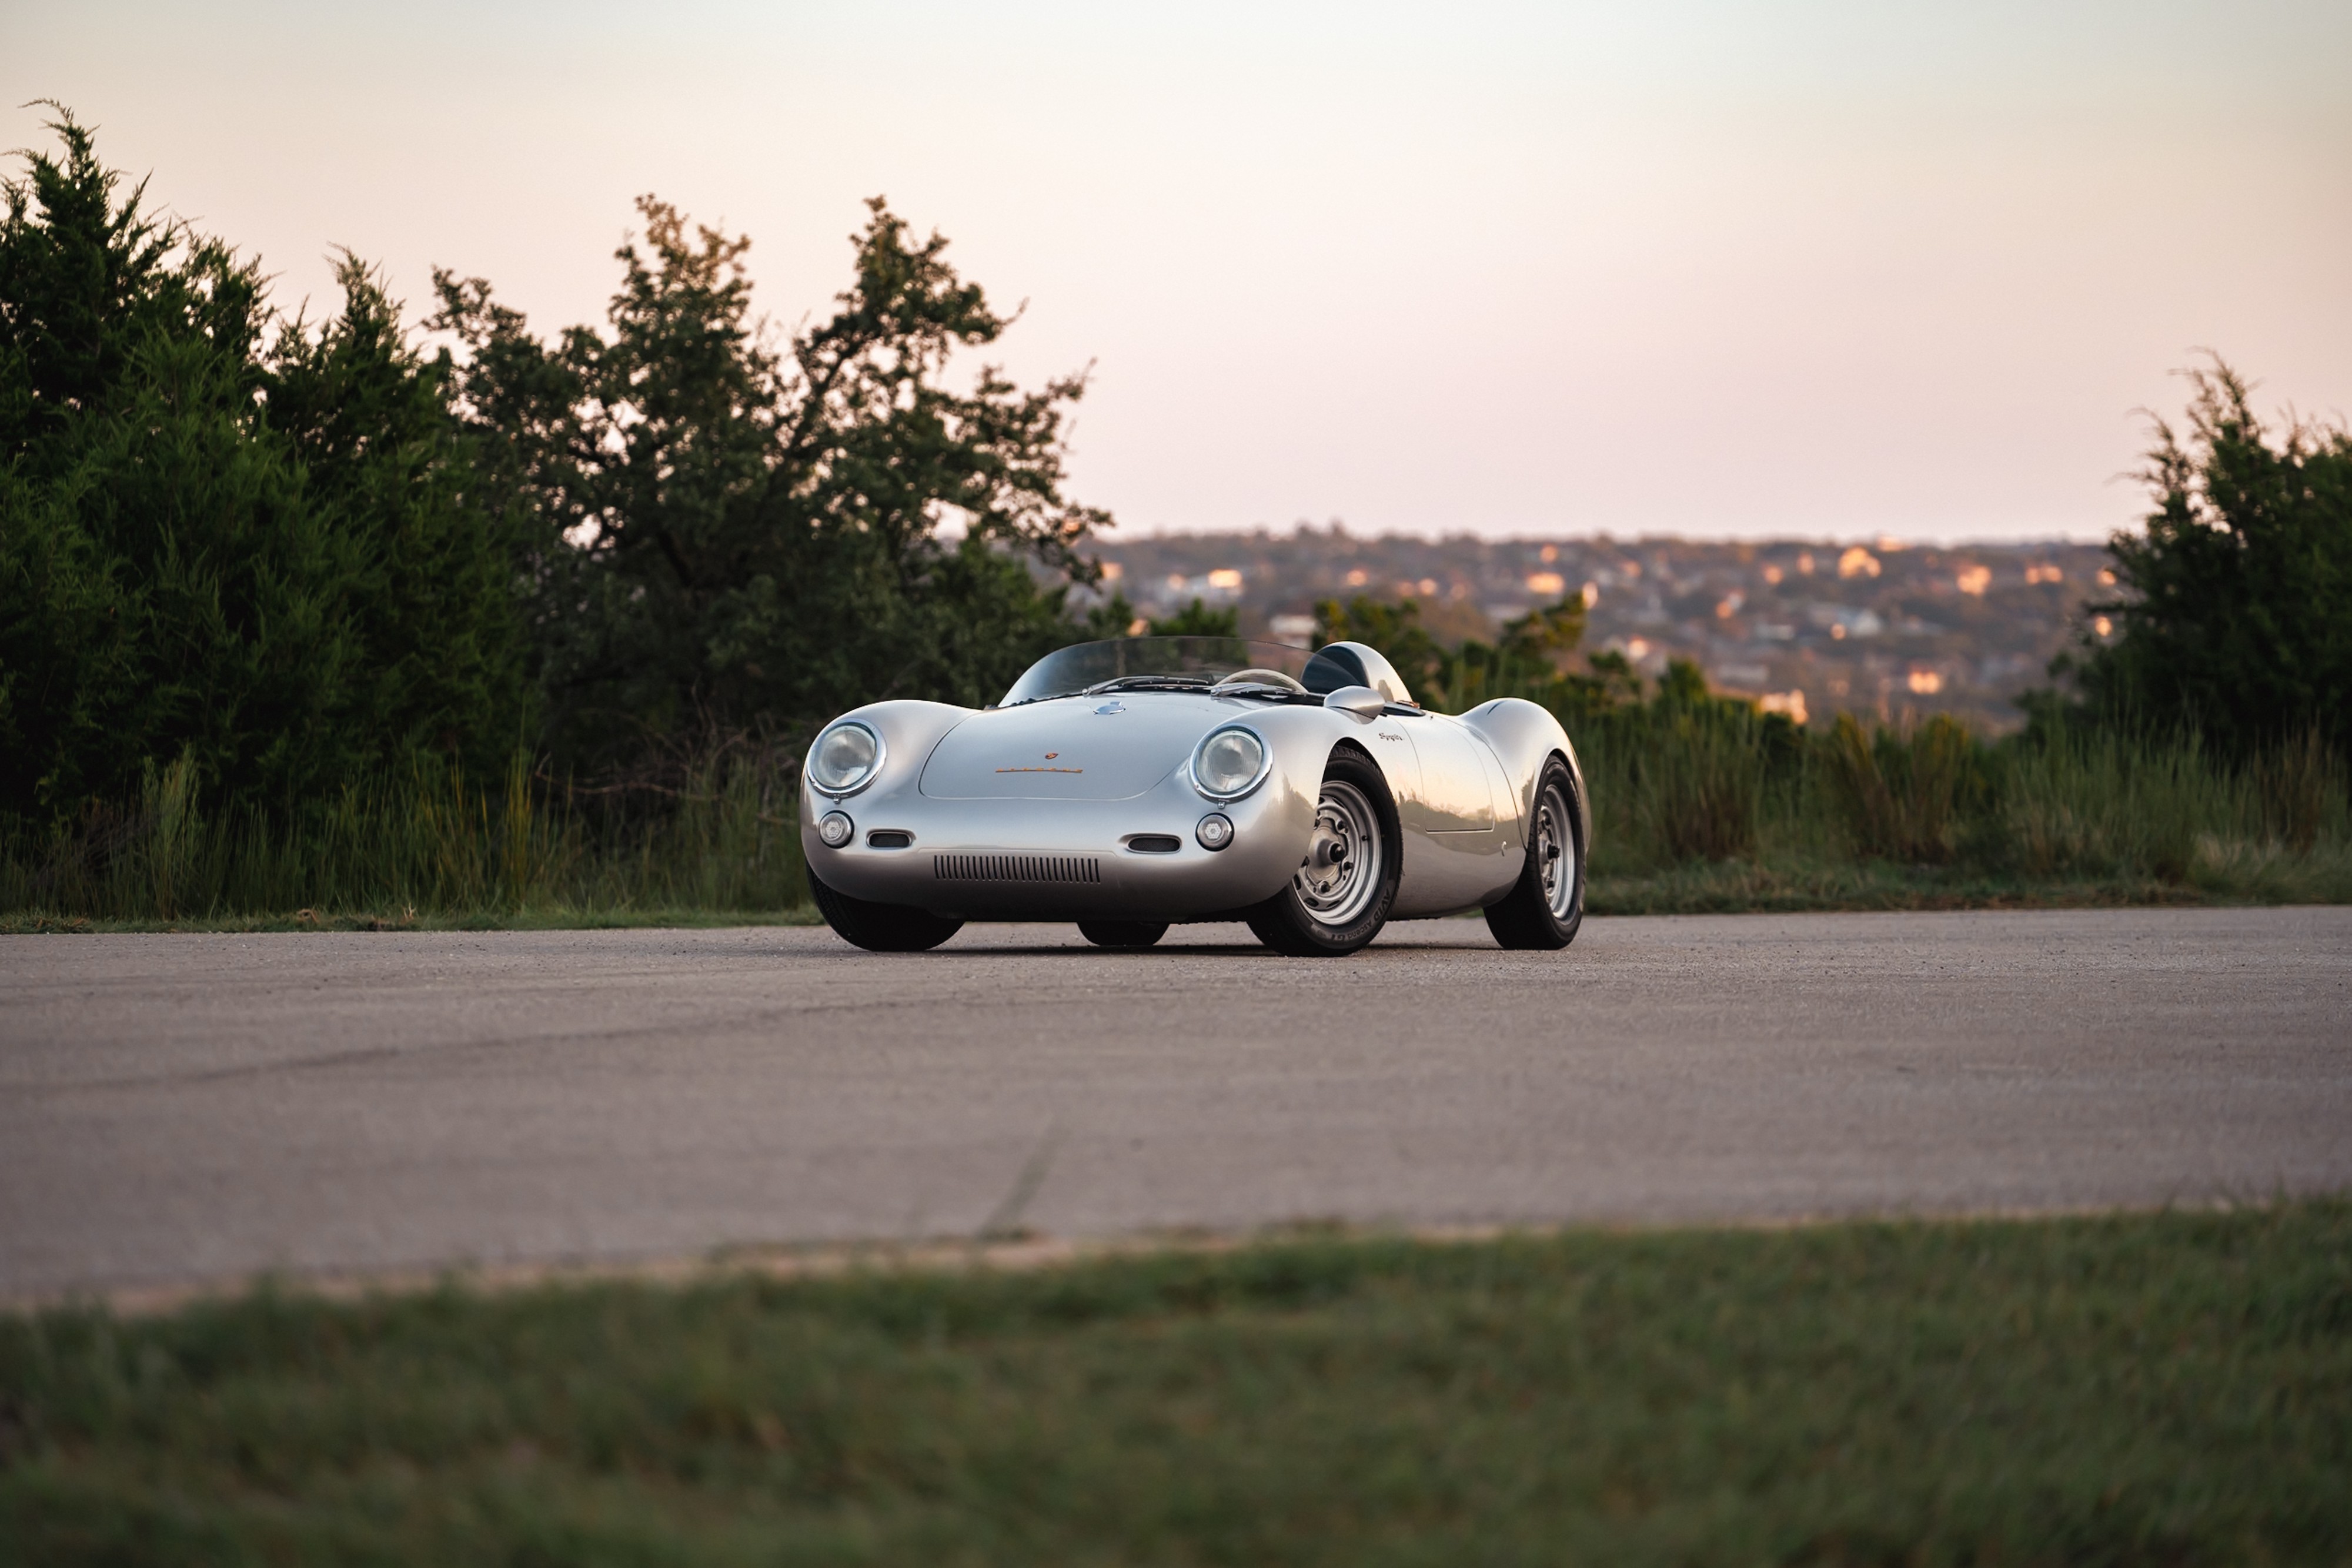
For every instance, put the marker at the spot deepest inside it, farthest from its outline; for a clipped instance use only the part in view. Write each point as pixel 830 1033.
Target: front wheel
pixel 1544 908
pixel 1345 887
pixel 881 927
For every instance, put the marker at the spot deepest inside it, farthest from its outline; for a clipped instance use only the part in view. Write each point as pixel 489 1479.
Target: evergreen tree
pixel 253 548
pixel 2235 617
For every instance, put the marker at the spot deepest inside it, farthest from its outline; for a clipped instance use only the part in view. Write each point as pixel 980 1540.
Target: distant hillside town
pixel 1809 628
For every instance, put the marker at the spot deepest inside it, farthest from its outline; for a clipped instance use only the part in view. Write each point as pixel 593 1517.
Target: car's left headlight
pixel 845 758
pixel 1229 763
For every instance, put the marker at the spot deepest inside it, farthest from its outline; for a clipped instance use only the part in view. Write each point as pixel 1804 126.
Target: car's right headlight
pixel 845 758
pixel 1229 763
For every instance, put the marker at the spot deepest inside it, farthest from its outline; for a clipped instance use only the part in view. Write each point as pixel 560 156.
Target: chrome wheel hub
pixel 1341 874
pixel 1555 852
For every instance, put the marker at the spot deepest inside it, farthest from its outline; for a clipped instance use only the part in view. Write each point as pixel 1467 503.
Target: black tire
pixel 1122 933
pixel 881 927
pixel 1332 907
pixel 1544 908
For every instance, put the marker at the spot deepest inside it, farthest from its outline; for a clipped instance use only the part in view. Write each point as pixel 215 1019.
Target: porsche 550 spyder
pixel 1132 784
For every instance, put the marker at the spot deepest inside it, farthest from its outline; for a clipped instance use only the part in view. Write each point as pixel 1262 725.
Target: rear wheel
pixel 1122 933
pixel 881 927
pixel 1544 908
pixel 1345 887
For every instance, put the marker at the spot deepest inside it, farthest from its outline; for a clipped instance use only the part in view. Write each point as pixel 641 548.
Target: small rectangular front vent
pixel 889 839
pixel 1154 843
pixel 1016 868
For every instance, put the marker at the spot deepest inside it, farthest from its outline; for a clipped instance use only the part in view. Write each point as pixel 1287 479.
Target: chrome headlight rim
pixel 1265 765
pixel 873 769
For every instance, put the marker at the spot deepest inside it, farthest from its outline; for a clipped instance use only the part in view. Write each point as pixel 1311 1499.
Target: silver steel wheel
pixel 1555 849
pixel 1341 875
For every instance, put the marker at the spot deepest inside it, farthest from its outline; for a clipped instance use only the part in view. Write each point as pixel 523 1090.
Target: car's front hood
pixel 1110 747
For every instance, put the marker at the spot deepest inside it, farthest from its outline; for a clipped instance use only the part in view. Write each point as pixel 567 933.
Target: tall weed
pixel 1678 784
pixel 430 842
pixel 166 848
pixel 1680 781
pixel 729 841
pixel 1705 793
pixel 2300 787
pixel 1901 793
pixel 2110 803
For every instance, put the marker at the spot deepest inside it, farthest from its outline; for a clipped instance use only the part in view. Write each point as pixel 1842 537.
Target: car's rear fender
pixel 1525 736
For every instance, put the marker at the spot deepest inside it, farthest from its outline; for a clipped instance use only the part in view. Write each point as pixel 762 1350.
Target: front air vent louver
pixel 1016 868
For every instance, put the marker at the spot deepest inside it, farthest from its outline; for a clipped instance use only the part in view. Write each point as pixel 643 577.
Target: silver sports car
pixel 1132 784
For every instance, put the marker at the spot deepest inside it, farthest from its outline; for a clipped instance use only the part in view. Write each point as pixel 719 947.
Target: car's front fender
pixel 909 730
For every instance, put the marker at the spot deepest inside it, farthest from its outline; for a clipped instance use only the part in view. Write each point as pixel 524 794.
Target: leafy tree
pixel 1395 630
pixel 1115 617
pixel 223 534
pixel 1528 660
pixel 732 536
pixel 2235 617
pixel 1197 620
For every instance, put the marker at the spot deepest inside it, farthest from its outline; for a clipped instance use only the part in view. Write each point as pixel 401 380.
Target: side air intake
pixel 1016 868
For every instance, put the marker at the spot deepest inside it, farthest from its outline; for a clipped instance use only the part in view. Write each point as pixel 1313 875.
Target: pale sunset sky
pixel 1716 269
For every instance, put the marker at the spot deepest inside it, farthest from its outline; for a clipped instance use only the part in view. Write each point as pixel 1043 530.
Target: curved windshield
pixel 1153 664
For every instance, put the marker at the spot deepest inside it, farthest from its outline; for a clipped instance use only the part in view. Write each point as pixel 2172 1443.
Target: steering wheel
pixel 1259 678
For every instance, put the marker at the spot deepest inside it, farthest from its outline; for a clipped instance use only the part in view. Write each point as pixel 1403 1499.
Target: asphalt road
pixel 186 1108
